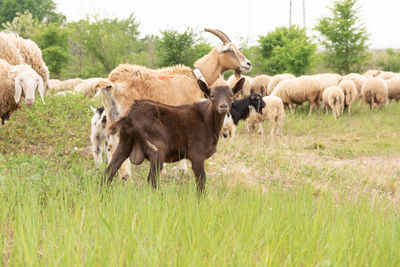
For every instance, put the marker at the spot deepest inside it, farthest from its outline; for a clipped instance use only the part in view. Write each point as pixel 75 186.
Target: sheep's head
pixel 221 96
pixel 230 56
pixel 26 82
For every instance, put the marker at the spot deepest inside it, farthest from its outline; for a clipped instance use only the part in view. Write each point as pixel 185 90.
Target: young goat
pixel 163 133
pixel 99 135
pixel 240 110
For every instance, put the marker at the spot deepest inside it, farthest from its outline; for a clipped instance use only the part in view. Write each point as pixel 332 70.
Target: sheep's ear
pixel 93 109
pixel 238 86
pixel 18 91
pixel 203 87
pixel 41 90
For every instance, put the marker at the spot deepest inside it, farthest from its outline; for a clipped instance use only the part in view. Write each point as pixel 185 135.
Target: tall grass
pixel 265 204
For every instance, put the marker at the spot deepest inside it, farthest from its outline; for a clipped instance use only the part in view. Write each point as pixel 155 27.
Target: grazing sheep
pixel 64 85
pixel 174 85
pixel 232 80
pixel 386 75
pixel 32 55
pixel 87 86
pixel 164 133
pixel 99 135
pixel 8 51
pixel 275 80
pixel 228 127
pixel 274 112
pixel 16 83
pixel 299 90
pixel 393 85
pixel 372 73
pixel 327 79
pixel 350 93
pixel 260 84
pixel 358 80
pixel 333 98
pixel 375 92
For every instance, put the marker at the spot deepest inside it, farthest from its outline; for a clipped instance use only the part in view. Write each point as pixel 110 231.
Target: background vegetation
pixel 93 46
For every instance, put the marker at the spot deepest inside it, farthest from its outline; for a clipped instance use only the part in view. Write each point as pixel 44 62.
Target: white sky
pixel 235 18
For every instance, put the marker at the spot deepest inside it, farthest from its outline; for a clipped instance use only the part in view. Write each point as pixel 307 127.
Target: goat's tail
pixel 116 125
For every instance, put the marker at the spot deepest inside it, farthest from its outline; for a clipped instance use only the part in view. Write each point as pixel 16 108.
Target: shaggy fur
pixel 69 84
pixel 394 88
pixel 164 133
pixel 386 75
pixel 333 98
pixel 88 86
pixel 275 80
pixel 372 73
pixel 8 51
pixel 260 84
pixel 350 93
pixel 28 81
pixel 299 90
pixel 32 55
pixel 232 80
pixel 375 92
pixel 274 112
pixel 358 80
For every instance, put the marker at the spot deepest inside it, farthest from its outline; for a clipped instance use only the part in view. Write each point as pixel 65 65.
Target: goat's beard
pixel 238 74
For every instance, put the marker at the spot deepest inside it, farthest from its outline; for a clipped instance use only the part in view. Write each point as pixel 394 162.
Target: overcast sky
pixel 238 19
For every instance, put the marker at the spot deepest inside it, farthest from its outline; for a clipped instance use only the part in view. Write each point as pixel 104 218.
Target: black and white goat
pixel 99 135
pixel 240 111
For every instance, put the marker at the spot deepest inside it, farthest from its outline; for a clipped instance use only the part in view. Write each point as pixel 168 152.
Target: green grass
pixel 325 194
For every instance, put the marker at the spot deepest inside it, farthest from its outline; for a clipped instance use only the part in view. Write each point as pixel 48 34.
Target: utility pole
pixel 290 13
pixel 304 14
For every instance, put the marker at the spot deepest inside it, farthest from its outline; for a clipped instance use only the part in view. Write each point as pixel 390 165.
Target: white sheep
pixel 302 89
pixel 274 112
pixel 394 88
pixel 375 92
pixel 99 135
pixel 87 86
pixel 260 84
pixel 232 80
pixel 358 80
pixel 275 80
pixel 386 75
pixel 350 93
pixel 333 98
pixel 16 83
pixel 69 84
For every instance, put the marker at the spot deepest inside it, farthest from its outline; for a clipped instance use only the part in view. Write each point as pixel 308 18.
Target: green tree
pixel 108 42
pixel 286 50
pixel 344 37
pixel 390 61
pixel 180 48
pixel 42 10
pixel 53 41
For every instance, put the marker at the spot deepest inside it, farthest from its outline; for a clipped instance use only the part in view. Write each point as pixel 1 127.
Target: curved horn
pixel 225 35
pixel 219 34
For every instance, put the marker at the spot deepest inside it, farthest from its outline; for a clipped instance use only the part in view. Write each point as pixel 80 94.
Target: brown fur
pixel 164 133
pixel 7 102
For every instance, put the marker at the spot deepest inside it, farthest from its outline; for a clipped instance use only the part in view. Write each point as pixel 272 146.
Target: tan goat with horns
pixel 175 85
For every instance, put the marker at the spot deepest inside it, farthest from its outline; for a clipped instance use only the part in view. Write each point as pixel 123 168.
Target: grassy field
pixel 325 194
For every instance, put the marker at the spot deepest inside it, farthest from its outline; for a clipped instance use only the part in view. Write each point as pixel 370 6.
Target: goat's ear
pixel 203 87
pixel 225 48
pixel 93 109
pixel 238 86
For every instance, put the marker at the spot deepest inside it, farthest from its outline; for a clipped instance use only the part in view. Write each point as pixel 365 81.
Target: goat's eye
pixel 212 97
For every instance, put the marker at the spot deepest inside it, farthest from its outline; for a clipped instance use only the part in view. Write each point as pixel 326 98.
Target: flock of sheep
pixel 263 97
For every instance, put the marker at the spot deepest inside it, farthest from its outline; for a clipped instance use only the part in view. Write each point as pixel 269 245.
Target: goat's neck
pixel 210 68
pixel 213 121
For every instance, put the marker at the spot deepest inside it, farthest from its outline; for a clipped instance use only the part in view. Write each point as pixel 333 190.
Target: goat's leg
pixel 198 169
pixel 260 128
pixel 96 150
pixel 121 154
pixel 106 147
pixel 125 171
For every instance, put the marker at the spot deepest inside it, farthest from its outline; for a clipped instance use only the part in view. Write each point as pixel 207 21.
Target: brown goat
pixel 163 133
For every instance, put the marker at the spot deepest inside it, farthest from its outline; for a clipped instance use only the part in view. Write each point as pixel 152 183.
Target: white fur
pixel 99 137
